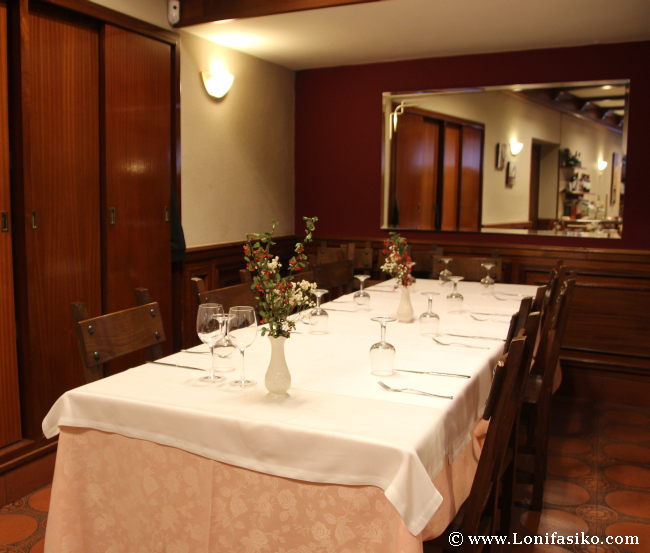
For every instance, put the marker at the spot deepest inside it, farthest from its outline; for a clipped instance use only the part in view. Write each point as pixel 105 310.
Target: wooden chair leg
pixel 541 458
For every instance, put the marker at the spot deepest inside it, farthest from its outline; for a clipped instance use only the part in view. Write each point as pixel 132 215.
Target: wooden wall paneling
pixel 451 177
pixel 10 429
pixel 469 211
pixel 137 76
pixel 61 203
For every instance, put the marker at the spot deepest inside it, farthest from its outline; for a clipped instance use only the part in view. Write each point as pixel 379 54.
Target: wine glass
pixel 445 273
pixel 209 330
pixel 429 321
pixel 318 317
pixel 382 354
pixel 487 279
pixel 223 347
pixel 242 331
pixel 455 294
pixel 362 298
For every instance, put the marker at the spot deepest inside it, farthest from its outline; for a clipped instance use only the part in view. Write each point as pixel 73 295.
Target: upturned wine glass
pixel 382 354
pixel 362 298
pixel 242 331
pixel 429 321
pixel 487 279
pixel 209 330
pixel 455 294
pixel 445 273
pixel 318 317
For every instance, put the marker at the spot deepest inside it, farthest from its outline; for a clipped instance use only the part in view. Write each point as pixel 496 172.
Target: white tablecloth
pixel 338 425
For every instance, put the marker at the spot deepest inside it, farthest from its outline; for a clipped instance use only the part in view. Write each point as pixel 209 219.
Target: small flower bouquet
pixel 280 297
pixel 398 262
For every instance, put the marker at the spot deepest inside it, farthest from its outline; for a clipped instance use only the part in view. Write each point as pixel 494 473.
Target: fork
pixel 456 344
pixel 483 319
pixel 412 391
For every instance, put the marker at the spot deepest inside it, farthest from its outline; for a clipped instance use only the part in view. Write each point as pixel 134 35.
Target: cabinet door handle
pixel 4 224
pixel 34 225
pixel 112 217
pixel 167 214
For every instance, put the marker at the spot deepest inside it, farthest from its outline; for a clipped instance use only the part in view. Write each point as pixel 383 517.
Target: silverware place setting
pixel 456 344
pixel 412 391
pixel 453 375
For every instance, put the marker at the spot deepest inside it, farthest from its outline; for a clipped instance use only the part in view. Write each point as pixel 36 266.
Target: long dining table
pixel 152 459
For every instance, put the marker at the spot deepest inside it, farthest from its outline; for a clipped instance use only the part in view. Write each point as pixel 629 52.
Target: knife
pixel 434 373
pixel 477 337
pixel 174 365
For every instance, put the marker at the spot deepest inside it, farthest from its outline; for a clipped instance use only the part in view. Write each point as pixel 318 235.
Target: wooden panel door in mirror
pixel 138 110
pixel 9 400
pixel 469 215
pixel 62 209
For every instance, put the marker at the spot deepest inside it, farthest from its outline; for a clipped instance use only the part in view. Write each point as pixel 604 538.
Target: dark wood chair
pixel 470 267
pixel 335 277
pixel 535 413
pixel 479 515
pixel 518 322
pixel 230 296
pixel 426 262
pixel 110 336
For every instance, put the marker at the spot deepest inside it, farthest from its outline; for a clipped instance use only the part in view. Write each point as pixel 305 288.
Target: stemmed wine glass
pixel 382 354
pixel 242 331
pixel 362 298
pixel 455 294
pixel 318 317
pixel 445 273
pixel 209 330
pixel 429 321
pixel 487 279
pixel 223 347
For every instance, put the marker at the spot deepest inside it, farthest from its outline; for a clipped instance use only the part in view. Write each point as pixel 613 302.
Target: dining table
pixel 154 459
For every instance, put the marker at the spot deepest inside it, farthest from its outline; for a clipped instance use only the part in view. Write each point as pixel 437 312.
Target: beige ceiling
pixel 391 30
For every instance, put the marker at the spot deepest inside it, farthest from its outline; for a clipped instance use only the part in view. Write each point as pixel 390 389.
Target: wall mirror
pixel 545 159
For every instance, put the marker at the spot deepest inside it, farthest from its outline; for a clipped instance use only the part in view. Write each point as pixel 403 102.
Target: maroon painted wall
pixel 339 133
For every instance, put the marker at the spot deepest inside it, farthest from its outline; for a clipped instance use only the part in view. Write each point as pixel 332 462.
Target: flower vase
pixel 278 377
pixel 405 309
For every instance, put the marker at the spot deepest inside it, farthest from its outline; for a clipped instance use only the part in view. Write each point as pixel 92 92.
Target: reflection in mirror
pixel 545 159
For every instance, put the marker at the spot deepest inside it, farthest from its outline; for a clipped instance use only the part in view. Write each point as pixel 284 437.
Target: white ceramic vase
pixel 405 309
pixel 278 377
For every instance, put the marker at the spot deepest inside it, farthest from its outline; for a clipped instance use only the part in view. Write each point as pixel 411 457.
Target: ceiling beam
pixel 194 12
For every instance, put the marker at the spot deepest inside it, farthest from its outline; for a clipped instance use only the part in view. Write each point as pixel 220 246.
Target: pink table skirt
pixel 116 494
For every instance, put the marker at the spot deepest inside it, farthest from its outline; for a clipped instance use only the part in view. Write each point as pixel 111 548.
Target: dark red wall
pixel 339 133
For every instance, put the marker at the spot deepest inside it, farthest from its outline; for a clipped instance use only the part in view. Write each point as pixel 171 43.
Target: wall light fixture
pixel 515 147
pixel 217 81
pixel 602 165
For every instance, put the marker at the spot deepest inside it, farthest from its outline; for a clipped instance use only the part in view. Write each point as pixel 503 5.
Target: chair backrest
pixel 230 296
pixel 335 277
pixel 363 259
pixel 470 268
pixel 502 409
pixel 426 262
pixel 330 254
pixel 245 276
pixel 518 321
pixel 107 337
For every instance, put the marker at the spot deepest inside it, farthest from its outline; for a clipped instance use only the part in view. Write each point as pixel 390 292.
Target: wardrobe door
pixel 451 174
pixel 469 218
pixel 138 174
pixel 61 202
pixel 9 400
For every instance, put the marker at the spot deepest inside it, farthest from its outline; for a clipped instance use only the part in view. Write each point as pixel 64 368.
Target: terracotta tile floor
pixel 598 483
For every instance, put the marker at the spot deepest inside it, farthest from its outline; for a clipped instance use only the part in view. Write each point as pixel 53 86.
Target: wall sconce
pixel 218 82
pixel 515 147
pixel 602 165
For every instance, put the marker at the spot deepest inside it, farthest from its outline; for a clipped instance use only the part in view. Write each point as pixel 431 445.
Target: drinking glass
pixel 487 279
pixel 445 273
pixel 429 321
pixel 318 317
pixel 209 330
pixel 362 298
pixel 242 331
pixel 382 354
pixel 223 347
pixel 455 294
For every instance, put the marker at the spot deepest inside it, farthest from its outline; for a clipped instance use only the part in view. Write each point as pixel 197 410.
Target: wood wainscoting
pixel 605 353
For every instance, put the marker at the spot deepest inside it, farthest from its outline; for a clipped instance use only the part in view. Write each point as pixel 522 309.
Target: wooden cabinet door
pixel 61 202
pixel 137 188
pixel 469 216
pixel 450 181
pixel 9 400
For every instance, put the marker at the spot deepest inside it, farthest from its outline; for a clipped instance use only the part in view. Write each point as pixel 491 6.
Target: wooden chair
pixel 107 337
pixel 535 415
pixel 518 322
pixel 335 277
pixel 239 294
pixel 426 262
pixel 478 516
pixel 330 254
pixel 470 268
